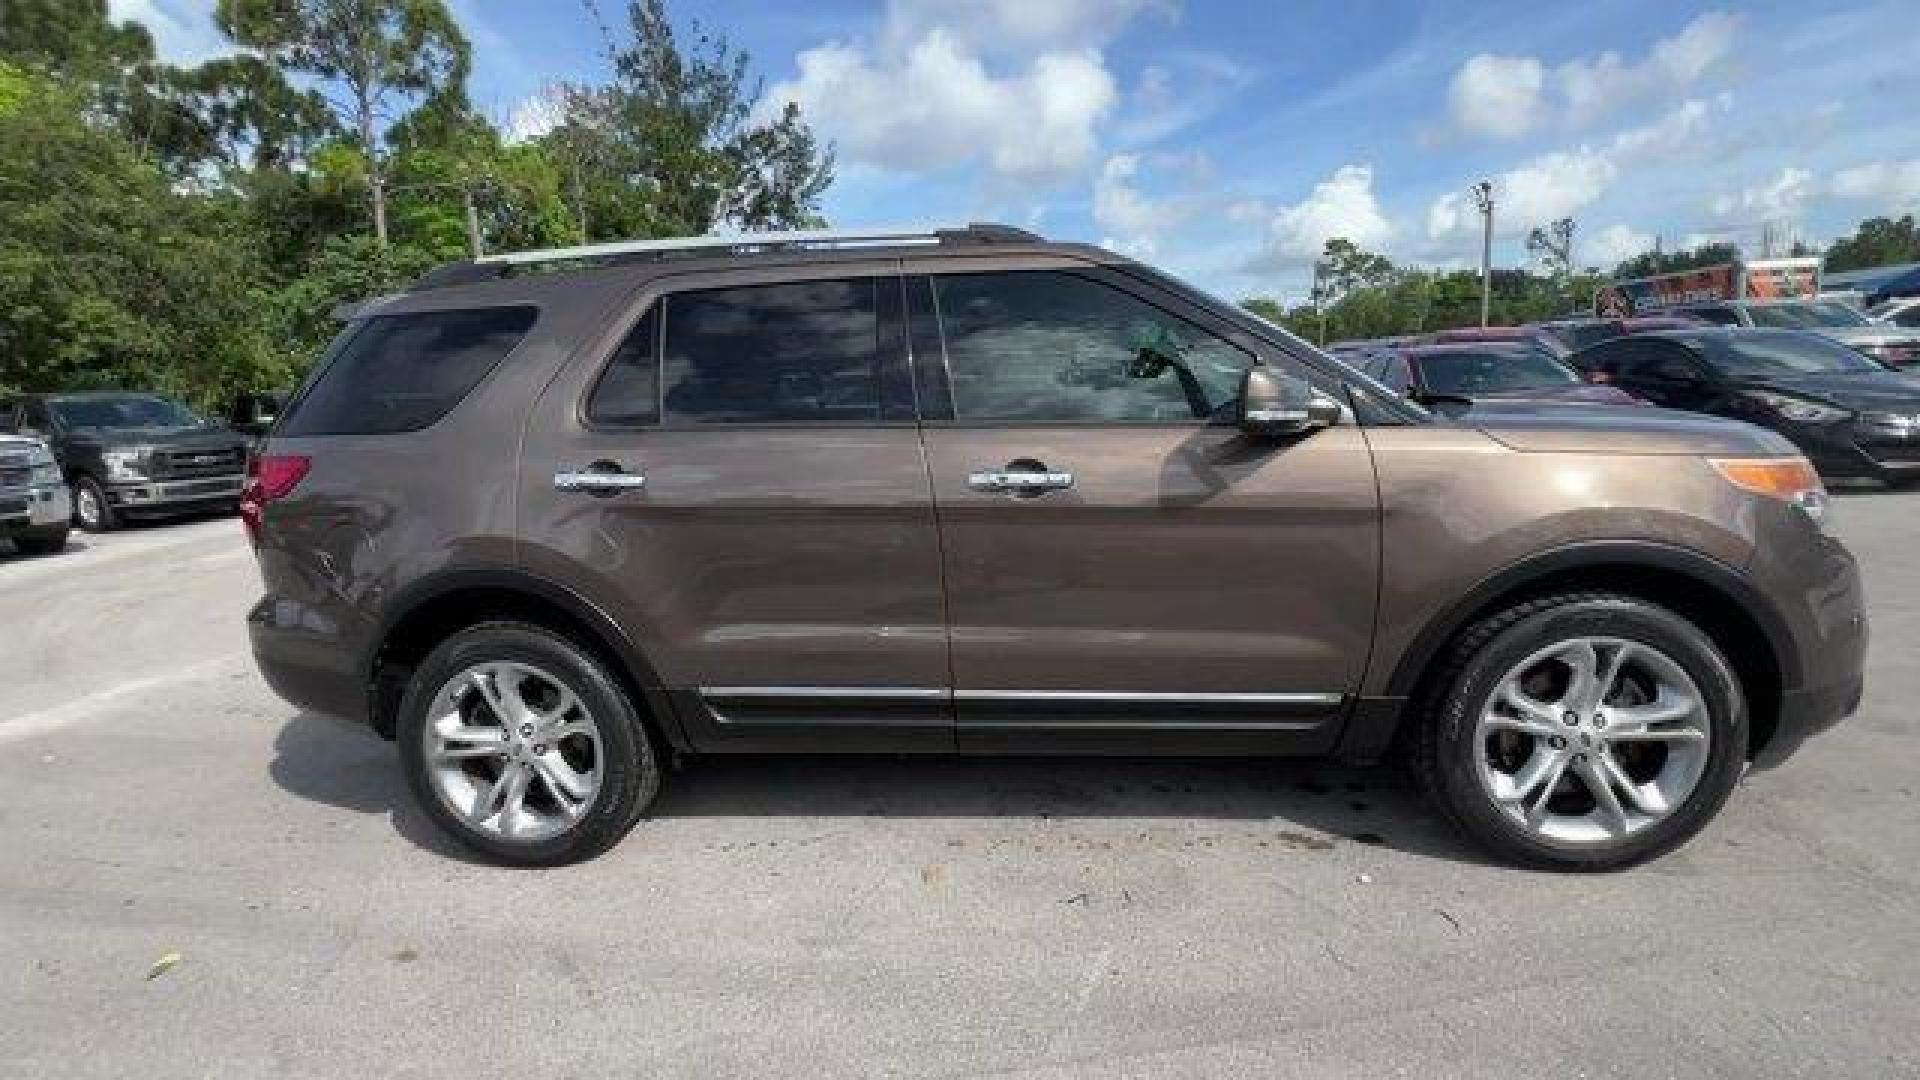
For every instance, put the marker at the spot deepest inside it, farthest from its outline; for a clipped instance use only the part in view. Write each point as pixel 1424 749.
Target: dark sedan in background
pixel 1850 414
pixel 1465 373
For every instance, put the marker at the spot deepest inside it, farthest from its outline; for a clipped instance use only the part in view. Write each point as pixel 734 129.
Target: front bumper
pixel 1855 449
pixel 176 496
pixel 44 506
pixel 1824 607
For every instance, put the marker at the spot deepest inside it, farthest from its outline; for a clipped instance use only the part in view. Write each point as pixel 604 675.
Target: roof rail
pixel 490 267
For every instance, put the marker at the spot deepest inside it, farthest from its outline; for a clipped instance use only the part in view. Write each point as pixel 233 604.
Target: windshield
pixel 1470 373
pixel 1577 336
pixel 1799 316
pixel 124 411
pixel 1774 356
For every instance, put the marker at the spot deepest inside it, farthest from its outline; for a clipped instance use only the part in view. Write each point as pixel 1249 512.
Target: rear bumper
pixel 176 496
pixel 47 506
pixel 300 656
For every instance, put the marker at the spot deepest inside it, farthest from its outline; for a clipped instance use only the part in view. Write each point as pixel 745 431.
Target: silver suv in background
pixel 1893 345
pixel 35 509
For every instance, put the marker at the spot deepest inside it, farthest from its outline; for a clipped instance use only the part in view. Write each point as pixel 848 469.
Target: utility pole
pixel 473 225
pixel 1483 198
pixel 1320 297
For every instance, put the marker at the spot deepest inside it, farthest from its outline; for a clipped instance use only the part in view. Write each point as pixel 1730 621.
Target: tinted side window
pixel 1908 317
pixel 1719 316
pixel 629 389
pixel 404 372
pixel 800 353
pixel 1047 346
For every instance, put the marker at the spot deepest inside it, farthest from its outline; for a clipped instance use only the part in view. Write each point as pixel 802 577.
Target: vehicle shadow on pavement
pixel 338 763
pixel 1307 804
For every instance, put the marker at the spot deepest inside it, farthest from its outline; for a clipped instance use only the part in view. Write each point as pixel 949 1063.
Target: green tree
pixel 1877 241
pixel 1648 263
pixel 110 274
pixel 671 145
pixel 375 53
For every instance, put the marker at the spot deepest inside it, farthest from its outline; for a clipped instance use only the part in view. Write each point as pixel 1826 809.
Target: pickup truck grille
pixel 14 471
pixel 171 464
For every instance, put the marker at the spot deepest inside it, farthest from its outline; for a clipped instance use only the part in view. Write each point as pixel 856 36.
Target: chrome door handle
pixel 1020 482
pixel 598 483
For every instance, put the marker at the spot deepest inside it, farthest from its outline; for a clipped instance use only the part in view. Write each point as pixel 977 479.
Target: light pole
pixel 1483 198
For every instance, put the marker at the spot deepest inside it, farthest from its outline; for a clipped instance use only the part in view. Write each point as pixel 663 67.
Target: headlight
pixel 1799 409
pixel 125 464
pixel 1789 479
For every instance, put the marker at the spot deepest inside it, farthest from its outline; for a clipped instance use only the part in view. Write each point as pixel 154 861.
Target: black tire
pixel 45 541
pixel 631 773
pixel 1445 757
pixel 105 518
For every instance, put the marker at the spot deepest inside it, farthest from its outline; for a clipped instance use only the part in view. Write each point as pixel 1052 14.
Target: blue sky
pixel 1227 139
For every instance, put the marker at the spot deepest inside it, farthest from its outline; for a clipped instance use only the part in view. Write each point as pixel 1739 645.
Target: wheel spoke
pixel 568 787
pixel 560 731
pixel 494 797
pixel 1672 734
pixel 1614 666
pixel 1583 675
pixel 513 800
pixel 483 680
pixel 1668 708
pixel 1537 810
pixel 1647 800
pixel 469 752
pixel 1536 716
pixel 1613 816
pixel 472 734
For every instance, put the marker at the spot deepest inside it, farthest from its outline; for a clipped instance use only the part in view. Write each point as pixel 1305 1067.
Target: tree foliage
pixel 191 230
pixel 1877 242
pixel 1649 263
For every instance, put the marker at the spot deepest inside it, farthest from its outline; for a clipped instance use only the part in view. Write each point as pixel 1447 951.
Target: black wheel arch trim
pixel 1705 569
pixel 473 577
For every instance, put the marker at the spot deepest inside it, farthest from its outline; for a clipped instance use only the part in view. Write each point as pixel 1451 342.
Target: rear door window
pixel 805 352
pixel 404 372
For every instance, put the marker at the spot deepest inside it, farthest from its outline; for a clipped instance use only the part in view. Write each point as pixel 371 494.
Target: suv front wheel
pixel 524 746
pixel 1584 731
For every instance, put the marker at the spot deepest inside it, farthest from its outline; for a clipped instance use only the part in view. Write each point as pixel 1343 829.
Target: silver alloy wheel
pixel 1592 738
pixel 87 504
pixel 512 751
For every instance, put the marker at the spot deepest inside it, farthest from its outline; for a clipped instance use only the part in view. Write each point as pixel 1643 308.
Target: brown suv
pixel 547 518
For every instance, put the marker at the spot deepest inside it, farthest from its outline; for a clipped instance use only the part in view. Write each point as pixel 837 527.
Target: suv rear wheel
pixel 1584 731
pixel 524 747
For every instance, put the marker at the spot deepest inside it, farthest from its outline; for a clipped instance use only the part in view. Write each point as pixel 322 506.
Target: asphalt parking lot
pixel 884 916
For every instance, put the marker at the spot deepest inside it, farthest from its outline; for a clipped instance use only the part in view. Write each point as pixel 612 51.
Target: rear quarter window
pixel 404 372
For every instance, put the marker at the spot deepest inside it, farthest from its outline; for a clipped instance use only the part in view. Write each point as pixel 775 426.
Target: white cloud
pixel 1783 197
pixel 1895 185
pixel 1613 245
pixel 1505 97
pixel 936 105
pixel 1682 129
pixel 183 30
pixel 1133 221
pixel 1175 91
pixel 1497 97
pixel 1015 25
pixel 1342 205
pixel 1550 186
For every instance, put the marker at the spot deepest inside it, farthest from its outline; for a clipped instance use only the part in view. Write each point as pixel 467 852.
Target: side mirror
pixel 1275 405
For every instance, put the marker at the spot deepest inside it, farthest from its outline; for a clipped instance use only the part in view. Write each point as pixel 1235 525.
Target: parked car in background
pixel 253 414
pixel 1903 312
pixel 974 492
pixel 1482 371
pixel 132 455
pixel 1896 345
pixel 1850 414
pixel 1574 334
pixel 35 511
pixel 1532 335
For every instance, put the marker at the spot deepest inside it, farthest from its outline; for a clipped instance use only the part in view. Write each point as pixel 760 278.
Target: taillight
pixel 269 477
